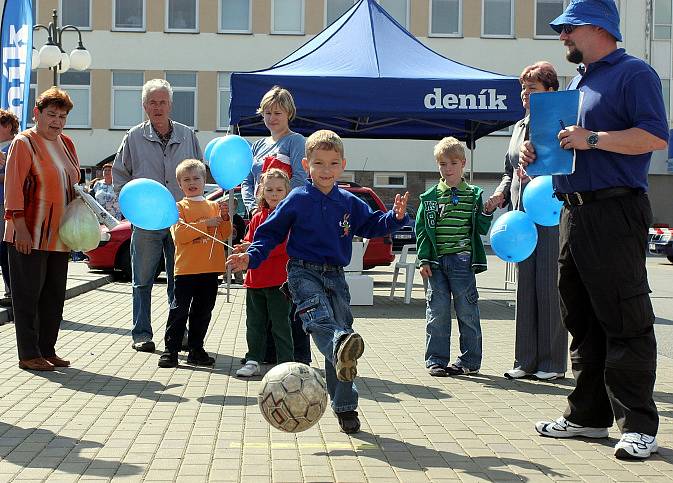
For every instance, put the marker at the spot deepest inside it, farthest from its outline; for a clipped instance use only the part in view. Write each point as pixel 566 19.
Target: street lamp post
pixel 53 56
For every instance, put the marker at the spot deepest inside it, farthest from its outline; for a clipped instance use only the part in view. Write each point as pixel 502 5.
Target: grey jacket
pixel 510 185
pixel 141 155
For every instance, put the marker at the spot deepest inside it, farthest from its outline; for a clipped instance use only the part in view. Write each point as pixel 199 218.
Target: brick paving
pixel 115 415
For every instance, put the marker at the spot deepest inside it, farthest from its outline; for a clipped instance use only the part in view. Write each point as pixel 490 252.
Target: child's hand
pixel 224 209
pixel 426 272
pixel 493 202
pixel 400 205
pixel 240 248
pixel 238 262
pixel 214 221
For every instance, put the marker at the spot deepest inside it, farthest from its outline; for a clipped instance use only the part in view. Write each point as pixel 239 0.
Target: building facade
pixel 196 44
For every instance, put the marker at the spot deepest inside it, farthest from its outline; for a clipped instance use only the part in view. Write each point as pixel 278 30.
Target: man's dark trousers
pixel 605 305
pixel 194 299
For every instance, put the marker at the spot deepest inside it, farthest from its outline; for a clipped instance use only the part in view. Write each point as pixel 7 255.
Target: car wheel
pixel 123 264
pixel 670 258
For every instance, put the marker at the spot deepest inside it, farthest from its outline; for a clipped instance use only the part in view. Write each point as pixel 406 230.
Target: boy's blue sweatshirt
pixel 320 227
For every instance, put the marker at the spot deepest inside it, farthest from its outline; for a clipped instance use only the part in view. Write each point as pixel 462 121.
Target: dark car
pixel 660 242
pixel 115 253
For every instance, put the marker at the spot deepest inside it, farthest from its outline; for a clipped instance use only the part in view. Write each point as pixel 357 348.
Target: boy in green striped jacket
pixel 451 217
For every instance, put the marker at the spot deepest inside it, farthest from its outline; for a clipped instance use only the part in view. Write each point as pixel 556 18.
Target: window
pixel 446 18
pixel 224 99
pixel 335 9
pixel 287 17
pixel 77 13
pixel 498 18
pixel 398 9
pixel 129 15
pixel 78 85
pixel 662 19
pixel 545 12
pixel 31 97
pixel 235 16
pixel 182 15
pixel 666 91
pixel 347 177
pixel 127 109
pixel 184 97
pixel 390 180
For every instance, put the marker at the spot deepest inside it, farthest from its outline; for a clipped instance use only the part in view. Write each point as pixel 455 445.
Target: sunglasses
pixel 568 29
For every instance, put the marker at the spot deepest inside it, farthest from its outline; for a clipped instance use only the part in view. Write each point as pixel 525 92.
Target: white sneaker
pixel 636 446
pixel 548 376
pixel 562 428
pixel 516 373
pixel 251 368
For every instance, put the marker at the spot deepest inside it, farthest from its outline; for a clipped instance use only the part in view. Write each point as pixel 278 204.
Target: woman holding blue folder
pixel 541 345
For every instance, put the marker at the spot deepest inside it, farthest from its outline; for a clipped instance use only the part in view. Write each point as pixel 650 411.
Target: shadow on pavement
pixel 41 448
pixel 413 457
pixel 103 329
pixel 383 390
pixel 104 385
pixel 228 400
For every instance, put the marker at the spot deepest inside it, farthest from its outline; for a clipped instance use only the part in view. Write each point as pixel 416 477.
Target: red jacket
pixel 273 271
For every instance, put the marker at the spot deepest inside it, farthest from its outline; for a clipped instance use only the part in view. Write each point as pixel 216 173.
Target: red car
pixel 115 254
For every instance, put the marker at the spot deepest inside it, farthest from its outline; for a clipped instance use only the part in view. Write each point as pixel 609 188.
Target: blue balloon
pixel 148 204
pixel 513 236
pixel 539 202
pixel 209 149
pixel 230 161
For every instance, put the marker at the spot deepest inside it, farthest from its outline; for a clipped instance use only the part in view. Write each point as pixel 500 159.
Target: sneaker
pixel 636 446
pixel 350 350
pixel 454 370
pixel 517 374
pixel 144 346
pixel 349 422
pixel 437 371
pixel 548 376
pixel 168 359
pixel 562 428
pixel 251 368
pixel 200 357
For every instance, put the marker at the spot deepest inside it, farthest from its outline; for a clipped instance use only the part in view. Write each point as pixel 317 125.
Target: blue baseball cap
pixel 600 13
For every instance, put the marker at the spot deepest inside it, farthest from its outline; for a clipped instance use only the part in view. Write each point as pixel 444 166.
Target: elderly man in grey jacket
pixel 152 149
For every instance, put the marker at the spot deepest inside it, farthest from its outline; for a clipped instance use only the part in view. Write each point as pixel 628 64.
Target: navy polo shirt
pixel 321 226
pixel 620 92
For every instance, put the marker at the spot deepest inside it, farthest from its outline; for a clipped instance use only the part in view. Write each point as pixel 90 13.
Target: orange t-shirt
pixel 194 252
pixel 39 181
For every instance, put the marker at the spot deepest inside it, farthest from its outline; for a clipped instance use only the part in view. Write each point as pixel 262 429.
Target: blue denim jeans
pixel 322 299
pixel 147 248
pixel 453 278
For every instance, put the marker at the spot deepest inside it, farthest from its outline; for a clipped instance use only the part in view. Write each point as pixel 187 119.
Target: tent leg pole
pixel 471 164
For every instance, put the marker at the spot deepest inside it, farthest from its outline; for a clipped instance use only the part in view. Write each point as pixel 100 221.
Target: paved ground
pixel 114 414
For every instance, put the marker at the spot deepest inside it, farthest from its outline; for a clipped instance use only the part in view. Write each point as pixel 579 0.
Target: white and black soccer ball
pixel 292 397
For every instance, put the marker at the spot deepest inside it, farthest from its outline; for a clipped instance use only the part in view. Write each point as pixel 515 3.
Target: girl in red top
pixel 265 303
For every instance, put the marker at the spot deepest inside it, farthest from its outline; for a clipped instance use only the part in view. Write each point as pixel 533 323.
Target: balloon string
pixel 206 234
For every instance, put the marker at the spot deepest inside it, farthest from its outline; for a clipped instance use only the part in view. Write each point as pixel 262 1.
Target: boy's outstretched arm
pixel 238 261
pixel 400 205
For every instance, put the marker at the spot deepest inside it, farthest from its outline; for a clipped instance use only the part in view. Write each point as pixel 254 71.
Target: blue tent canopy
pixel 365 76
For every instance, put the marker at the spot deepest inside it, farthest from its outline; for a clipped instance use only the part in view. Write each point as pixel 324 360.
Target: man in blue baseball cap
pixel 603 288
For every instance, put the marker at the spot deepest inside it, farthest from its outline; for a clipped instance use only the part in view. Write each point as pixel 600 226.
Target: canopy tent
pixel 365 76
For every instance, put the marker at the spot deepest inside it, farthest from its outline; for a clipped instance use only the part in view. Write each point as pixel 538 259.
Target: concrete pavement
pixel 115 414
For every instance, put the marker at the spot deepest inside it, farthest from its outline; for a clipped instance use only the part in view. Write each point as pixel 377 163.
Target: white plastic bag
pixel 79 228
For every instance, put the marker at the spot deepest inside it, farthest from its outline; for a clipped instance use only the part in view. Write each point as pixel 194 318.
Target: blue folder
pixel 549 113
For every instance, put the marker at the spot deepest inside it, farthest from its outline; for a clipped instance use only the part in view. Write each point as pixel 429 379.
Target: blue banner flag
pixel 16 56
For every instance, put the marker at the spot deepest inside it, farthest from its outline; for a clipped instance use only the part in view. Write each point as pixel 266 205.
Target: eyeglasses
pixel 568 29
pixel 454 196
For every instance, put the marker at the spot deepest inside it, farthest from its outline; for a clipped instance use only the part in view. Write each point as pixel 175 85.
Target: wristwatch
pixel 592 140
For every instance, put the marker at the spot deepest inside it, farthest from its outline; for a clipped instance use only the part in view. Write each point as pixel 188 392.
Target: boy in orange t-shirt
pixel 199 260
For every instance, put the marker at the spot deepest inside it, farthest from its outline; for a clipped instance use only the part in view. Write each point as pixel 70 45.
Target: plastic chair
pixel 410 271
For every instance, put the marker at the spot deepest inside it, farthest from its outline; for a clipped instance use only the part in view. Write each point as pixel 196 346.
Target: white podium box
pixel 361 288
pixel 355 264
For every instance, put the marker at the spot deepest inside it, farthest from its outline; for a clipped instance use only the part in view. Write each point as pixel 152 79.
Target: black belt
pixel 318 267
pixel 581 198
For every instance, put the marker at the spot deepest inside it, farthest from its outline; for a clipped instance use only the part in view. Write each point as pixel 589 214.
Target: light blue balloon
pixel 539 202
pixel 209 149
pixel 513 236
pixel 148 204
pixel 230 161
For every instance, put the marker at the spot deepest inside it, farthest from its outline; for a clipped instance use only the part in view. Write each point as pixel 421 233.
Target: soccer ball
pixel 292 397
